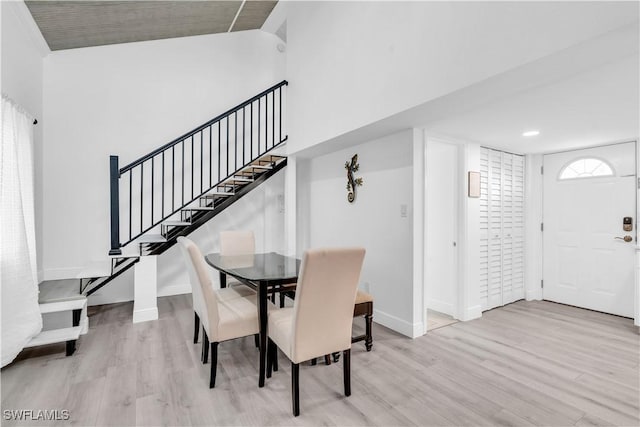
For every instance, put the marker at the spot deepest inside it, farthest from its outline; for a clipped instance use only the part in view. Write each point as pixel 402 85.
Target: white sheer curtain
pixel 21 318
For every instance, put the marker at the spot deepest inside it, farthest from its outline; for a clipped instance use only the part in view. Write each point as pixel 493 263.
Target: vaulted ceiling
pixel 74 24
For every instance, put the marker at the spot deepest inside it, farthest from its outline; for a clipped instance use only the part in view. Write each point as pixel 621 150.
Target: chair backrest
pixel 237 243
pixel 205 302
pixel 323 306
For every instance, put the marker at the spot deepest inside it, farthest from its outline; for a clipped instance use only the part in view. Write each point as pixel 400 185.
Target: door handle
pixel 625 238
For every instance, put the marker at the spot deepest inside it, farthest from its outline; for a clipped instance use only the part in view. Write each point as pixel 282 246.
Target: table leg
pixel 223 280
pixel 262 318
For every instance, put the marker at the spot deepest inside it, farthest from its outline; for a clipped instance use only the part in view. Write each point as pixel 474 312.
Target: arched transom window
pixel 586 168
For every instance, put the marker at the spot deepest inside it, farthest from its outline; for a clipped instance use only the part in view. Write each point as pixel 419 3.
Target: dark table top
pixel 268 268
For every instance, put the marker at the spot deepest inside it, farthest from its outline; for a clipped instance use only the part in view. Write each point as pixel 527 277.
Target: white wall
pixel 22 71
pixel 261 210
pixel 127 100
pixel 354 63
pixel 373 221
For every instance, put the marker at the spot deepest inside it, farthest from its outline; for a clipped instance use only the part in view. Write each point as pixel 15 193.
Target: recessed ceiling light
pixel 531 133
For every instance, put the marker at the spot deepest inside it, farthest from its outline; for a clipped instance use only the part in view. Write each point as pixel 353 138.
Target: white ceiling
pixel 594 107
pixel 584 95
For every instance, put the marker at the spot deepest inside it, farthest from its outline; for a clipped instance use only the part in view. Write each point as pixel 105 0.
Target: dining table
pixel 264 272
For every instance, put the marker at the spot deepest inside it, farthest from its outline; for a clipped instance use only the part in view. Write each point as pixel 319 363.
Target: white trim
pixel 56 307
pixel 533 294
pixel 145 315
pixel 61 273
pixel 276 18
pixel 401 326
pixel 22 13
pixel 100 299
pixel 235 18
pixel 178 289
pixel 471 313
pixel 419 228
pixel 440 306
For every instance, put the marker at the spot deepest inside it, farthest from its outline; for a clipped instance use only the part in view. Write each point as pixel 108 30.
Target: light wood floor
pixel 529 363
pixel 436 320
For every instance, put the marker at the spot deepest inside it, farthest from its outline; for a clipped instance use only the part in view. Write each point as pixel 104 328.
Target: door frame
pixel 460 233
pixel 636 319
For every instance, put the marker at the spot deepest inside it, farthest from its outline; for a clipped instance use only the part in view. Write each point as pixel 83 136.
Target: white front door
pixel 587 194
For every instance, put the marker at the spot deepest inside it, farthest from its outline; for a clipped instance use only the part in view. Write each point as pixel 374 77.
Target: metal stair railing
pixel 161 183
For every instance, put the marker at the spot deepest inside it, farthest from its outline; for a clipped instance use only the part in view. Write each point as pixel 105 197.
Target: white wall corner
pixel 145 302
pixel 532 233
pixel 290 210
pixel 276 18
pixel 401 326
pixel 22 13
pixel 419 175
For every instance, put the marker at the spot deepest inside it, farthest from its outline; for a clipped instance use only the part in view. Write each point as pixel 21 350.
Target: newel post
pixel 114 177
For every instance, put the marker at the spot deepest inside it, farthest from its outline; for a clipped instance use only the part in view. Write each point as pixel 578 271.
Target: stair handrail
pixel 116 173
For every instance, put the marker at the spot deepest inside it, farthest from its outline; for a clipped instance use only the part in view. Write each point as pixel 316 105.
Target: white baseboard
pixel 61 273
pixel 145 315
pixel 179 289
pixel 411 330
pixel 440 306
pixel 535 294
pixel 473 312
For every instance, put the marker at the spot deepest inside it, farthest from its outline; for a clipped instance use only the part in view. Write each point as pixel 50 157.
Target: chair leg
pixel 295 388
pixel 314 361
pixel 214 364
pixel 282 299
pixel 256 340
pixel 347 371
pixel 327 359
pixel 269 357
pixel 368 342
pixel 196 327
pixel 205 347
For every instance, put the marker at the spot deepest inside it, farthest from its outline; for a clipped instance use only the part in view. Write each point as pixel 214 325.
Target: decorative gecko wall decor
pixel 352 167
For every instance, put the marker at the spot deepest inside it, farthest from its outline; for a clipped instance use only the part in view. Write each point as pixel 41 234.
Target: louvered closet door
pixel 501 228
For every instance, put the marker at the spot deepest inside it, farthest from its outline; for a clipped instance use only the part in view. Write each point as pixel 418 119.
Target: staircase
pixel 171 192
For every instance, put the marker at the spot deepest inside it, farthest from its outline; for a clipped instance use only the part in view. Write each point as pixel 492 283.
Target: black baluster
pixel 201 161
pixel 152 187
pixel 163 184
pixel 173 178
pixel 182 142
pixel 130 201
pixel 258 153
pixel 192 168
pixel 141 193
pixel 219 150
pixel 244 128
pixel 280 115
pixel 114 183
pixel 210 157
pixel 227 169
pixel 273 118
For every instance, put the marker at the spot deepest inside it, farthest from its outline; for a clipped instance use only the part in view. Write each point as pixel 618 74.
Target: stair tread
pixel 151 238
pixel 55 335
pixel 126 255
pixel 219 193
pixel 199 208
pixel 59 290
pixel 177 223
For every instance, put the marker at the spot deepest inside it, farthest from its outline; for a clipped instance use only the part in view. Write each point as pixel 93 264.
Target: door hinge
pixel 542 226
pixel 541 170
pixel 542 284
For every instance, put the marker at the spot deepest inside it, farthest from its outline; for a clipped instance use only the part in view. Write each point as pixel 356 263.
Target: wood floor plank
pixel 529 363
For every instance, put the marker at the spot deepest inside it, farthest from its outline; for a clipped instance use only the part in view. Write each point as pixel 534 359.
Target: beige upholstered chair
pixel 236 242
pixel 225 313
pixel 320 320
